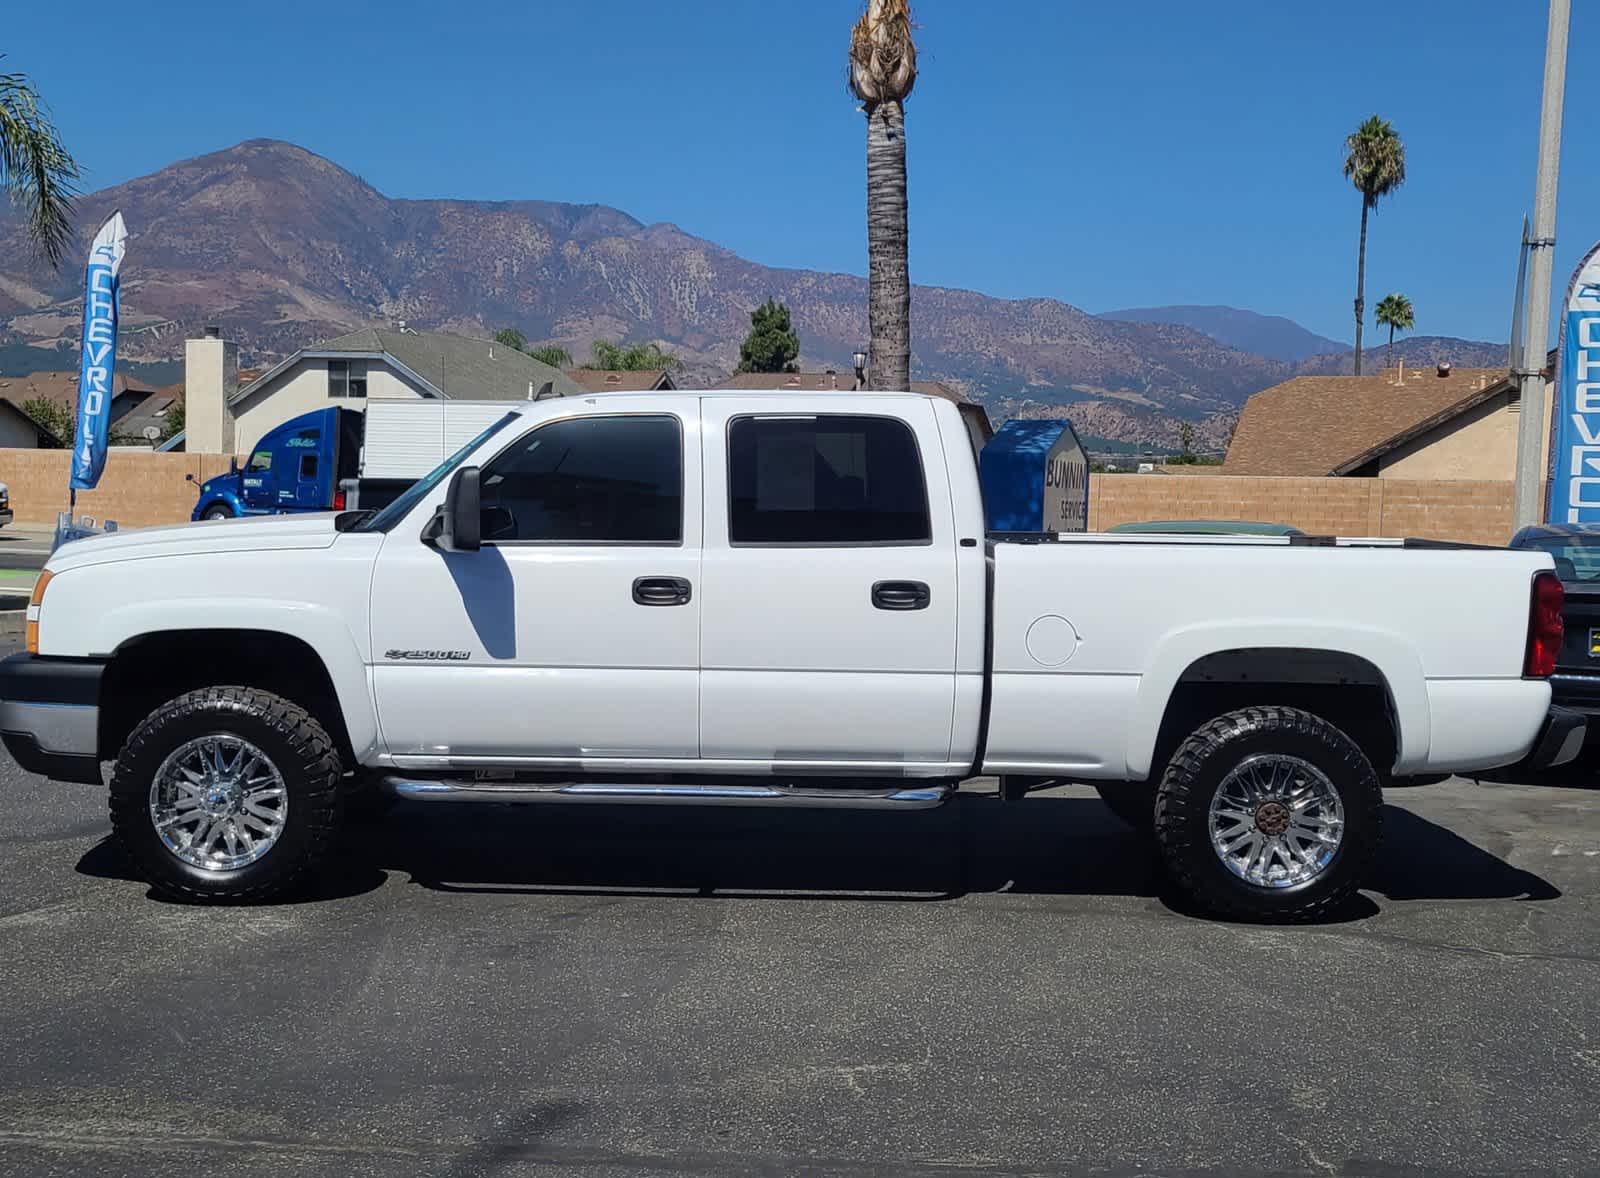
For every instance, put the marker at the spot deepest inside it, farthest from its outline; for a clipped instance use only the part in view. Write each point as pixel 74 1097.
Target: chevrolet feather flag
pixel 101 299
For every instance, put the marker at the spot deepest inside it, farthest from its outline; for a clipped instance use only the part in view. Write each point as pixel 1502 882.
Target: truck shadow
pixel 1045 845
pixel 976 844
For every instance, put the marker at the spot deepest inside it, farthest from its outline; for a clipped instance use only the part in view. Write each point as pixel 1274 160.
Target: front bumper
pixel 5 516
pixel 50 715
pixel 1559 741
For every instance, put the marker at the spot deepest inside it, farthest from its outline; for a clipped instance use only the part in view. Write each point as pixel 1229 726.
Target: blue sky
pixel 1106 154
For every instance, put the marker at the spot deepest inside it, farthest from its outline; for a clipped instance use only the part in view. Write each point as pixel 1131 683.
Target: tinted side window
pixel 308 466
pixel 608 479
pixel 829 479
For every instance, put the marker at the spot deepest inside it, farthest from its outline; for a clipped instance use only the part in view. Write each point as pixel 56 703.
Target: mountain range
pixel 281 247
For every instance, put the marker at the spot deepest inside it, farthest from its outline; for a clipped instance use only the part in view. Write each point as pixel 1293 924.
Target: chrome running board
pixel 919 798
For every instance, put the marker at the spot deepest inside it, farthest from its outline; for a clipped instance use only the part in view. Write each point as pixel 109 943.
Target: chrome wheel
pixel 1276 821
pixel 218 803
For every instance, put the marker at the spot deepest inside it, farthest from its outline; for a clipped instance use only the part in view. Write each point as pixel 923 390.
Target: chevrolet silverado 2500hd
pixel 767 599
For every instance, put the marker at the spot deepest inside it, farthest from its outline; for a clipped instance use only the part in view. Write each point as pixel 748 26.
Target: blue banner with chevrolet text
pixel 1574 496
pixel 101 302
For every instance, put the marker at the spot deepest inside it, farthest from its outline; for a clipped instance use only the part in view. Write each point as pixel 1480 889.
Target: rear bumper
pixel 5 516
pixel 1559 741
pixel 50 715
pixel 1576 690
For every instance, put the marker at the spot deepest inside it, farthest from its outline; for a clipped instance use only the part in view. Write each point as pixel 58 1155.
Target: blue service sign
pixel 1035 477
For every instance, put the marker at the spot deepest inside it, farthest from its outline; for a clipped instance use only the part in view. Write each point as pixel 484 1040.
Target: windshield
pixel 1577 556
pixel 423 487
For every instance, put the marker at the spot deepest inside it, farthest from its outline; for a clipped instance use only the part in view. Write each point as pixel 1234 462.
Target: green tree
pixel 772 345
pixel 883 69
pixel 36 172
pixel 173 423
pixel 552 354
pixel 511 338
pixel 1375 162
pixel 1394 312
pixel 56 419
pixel 635 358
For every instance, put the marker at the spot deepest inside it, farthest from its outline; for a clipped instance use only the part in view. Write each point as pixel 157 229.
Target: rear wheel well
pixel 147 671
pixel 1347 691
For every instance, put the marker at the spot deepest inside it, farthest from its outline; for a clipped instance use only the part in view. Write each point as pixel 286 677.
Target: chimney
pixel 210 378
pixel 1444 368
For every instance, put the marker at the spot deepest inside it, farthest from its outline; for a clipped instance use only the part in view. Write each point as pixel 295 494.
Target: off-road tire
pixel 217 512
pixel 1132 801
pixel 298 746
pixel 1197 768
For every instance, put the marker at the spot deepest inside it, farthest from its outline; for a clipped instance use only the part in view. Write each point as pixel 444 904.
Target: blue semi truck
pixel 299 466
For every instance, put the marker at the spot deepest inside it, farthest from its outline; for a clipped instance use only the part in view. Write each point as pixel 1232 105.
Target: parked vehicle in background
pixel 1575 551
pixel 1205 527
pixel 766 599
pixel 331 459
pixel 6 515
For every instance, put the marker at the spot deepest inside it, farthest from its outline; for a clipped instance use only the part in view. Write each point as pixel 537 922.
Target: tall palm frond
pixel 36 171
pixel 1375 162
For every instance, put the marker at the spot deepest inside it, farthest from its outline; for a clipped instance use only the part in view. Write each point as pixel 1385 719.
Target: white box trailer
pixel 407 439
pixel 404 440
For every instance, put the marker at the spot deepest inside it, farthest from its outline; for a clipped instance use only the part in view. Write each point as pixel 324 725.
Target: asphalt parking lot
pixel 986 988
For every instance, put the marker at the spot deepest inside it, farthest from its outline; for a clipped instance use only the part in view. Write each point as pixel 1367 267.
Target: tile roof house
pixel 1432 423
pixel 602 380
pixel 18 431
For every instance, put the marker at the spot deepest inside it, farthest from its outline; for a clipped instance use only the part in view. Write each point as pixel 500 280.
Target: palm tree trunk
pixel 1389 363
pixel 1361 283
pixel 888 269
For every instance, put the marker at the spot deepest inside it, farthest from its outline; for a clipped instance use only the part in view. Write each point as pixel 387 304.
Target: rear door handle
pixel 900 595
pixel 661 591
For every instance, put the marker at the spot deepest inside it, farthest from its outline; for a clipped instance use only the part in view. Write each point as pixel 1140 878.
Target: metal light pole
pixel 1529 367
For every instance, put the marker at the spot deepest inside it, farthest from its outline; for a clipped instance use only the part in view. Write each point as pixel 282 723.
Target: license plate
pixel 1594 642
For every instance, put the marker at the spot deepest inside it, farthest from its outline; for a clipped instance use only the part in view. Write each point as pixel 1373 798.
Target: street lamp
pixel 860 360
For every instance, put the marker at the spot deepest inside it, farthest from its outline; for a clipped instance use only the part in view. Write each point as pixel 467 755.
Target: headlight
pixel 35 603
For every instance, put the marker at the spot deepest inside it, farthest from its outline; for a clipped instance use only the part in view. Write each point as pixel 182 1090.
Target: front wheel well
pixel 147 671
pixel 1344 689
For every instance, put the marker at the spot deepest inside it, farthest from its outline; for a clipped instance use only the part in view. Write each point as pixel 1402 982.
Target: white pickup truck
pixel 767 599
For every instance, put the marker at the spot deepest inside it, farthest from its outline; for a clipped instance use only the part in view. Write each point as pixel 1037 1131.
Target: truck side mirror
pixel 233 464
pixel 458 524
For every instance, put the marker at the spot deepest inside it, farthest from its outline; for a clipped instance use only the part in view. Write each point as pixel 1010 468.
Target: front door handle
pixel 661 591
pixel 900 595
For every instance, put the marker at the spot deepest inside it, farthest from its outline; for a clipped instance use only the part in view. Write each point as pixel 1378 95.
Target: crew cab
pixel 767 599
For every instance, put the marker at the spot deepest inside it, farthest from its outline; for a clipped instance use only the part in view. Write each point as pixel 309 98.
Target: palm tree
pixel 883 69
pixel 1375 162
pixel 634 358
pixel 1395 313
pixel 552 354
pixel 35 170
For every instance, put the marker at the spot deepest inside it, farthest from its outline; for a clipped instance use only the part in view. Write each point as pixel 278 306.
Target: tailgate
pixel 1580 648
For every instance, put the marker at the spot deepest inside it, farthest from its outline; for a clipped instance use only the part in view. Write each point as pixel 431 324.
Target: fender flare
pixel 1393 656
pixel 320 628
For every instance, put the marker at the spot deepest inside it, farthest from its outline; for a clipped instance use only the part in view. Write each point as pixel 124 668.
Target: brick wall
pixel 138 487
pixel 1474 512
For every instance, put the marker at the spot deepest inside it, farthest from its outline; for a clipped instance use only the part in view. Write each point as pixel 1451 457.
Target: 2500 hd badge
pixel 428 656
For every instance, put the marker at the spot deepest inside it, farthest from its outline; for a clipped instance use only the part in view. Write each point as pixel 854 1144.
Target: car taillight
pixel 338 499
pixel 1544 626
